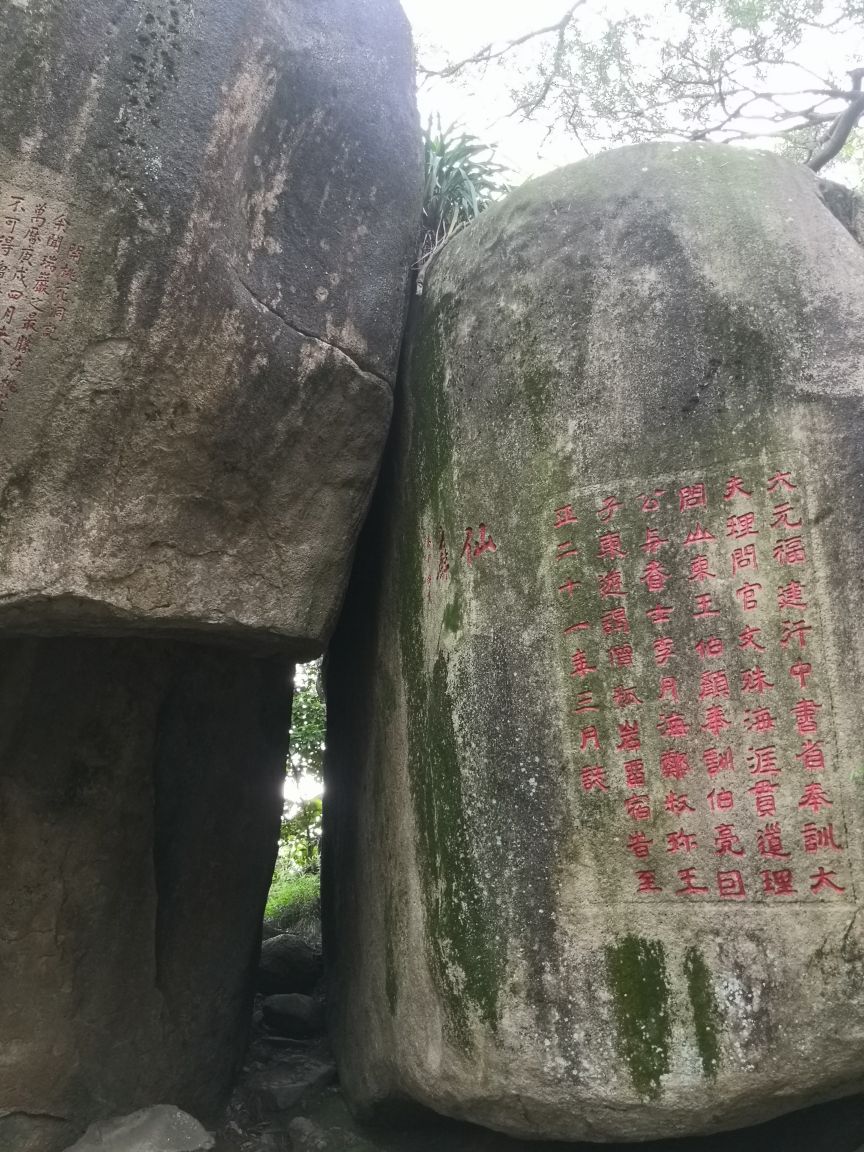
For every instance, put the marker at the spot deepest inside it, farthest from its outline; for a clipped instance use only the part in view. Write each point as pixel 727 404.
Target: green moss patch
pixel 636 971
pixel 706 1013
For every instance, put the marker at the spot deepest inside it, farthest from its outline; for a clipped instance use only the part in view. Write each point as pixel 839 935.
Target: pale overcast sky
pixel 459 27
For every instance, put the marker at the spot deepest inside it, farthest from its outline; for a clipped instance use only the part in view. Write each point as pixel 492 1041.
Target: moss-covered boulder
pixel 596 760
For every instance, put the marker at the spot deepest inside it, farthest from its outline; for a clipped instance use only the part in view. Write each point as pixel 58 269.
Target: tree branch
pixel 843 125
pixel 486 53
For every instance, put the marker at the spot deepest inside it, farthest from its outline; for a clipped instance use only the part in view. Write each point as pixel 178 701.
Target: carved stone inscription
pixel 40 262
pixel 699 716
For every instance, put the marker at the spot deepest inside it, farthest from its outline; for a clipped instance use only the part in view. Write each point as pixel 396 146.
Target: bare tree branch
pixel 488 52
pixel 843 125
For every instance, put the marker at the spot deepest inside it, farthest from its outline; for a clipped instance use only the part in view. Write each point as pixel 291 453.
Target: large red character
pixel 672 726
pixel 629 737
pixel 594 778
pixel 634 773
pixel 638 807
pixel 639 844
pixel 653 541
pixel 717 761
pixel 610 547
pixel 735 487
pixel 778 882
pixel 811 756
pixel 744 558
pixel 647 882
pixel 622 697
pixel 608 509
pixel 680 841
pixel 716 720
pixel 621 656
pixel 763 761
pixel 726 841
pixel 769 841
pixel 819 837
pixel 764 798
pixel 714 683
pixel 589 737
pixel 673 765
pixel 687 876
pixel 805 716
pixel 781 480
pixel 740 526
pixel 700 569
pixel 790 551
pixel 692 496
pixel 664 649
pixel 791 595
pixel 823 879
pixel 615 620
pixel 611 583
pixel 654 576
pixel 814 797
pixel 755 680
pixel 579 665
pixel 704 607
pixel 730 885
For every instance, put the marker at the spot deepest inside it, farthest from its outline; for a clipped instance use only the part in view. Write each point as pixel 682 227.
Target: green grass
pixel 293 899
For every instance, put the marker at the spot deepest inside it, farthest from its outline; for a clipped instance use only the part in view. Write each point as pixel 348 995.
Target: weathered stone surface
pixel 288 964
pixel 140 796
pixel 207 216
pixel 633 327
pixel 288 1080
pixel 157 1129
pixel 307 1136
pixel 292 1015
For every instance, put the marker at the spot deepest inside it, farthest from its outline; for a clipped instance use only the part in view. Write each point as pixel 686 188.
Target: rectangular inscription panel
pixel 40 259
pixel 699 716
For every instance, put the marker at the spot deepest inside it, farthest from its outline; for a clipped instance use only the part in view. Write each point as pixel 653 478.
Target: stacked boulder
pixel 207 217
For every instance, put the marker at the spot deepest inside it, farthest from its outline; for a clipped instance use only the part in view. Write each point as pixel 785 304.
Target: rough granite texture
pixel 157 1129
pixel 140 788
pixel 646 319
pixel 211 213
pixel 208 213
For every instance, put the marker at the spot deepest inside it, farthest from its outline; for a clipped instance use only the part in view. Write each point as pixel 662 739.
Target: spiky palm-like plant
pixel 462 178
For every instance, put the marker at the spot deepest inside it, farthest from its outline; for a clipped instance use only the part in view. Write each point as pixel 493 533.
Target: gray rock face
pixel 596 801
pixel 307 1136
pixel 285 1082
pixel 207 217
pixel 297 1017
pixel 140 788
pixel 158 1129
pixel 288 964
pixel 207 214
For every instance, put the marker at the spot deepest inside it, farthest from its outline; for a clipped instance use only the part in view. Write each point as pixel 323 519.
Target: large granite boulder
pixel 596 760
pixel 140 787
pixel 207 218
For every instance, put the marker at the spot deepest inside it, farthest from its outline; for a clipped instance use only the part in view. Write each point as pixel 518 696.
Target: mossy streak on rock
pixel 636 972
pixel 706 1013
pixel 459 925
pixel 391 975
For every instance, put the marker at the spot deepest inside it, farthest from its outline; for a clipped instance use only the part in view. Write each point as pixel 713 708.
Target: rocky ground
pixel 288 1098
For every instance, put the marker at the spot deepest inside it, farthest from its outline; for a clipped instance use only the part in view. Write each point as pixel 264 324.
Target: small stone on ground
pixel 161 1128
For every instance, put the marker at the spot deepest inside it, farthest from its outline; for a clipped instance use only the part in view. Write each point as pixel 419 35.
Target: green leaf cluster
pixel 462 178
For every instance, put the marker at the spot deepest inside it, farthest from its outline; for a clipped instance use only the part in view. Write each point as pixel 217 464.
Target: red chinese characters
pixel 694 665
pixel 38 283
